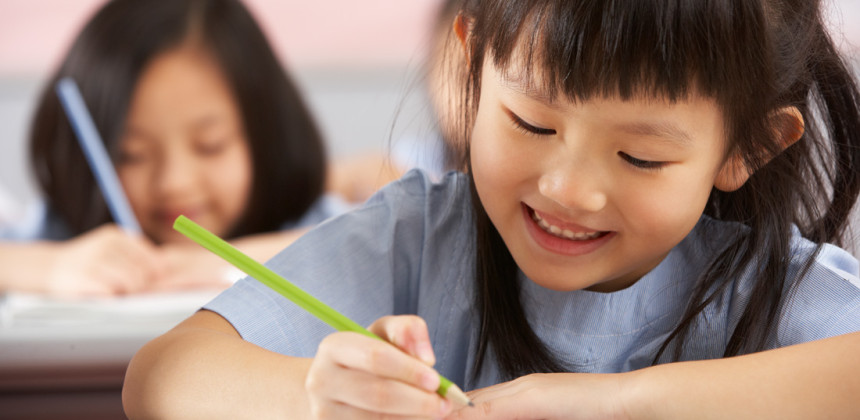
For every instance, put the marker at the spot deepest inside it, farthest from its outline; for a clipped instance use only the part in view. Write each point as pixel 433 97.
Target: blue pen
pixel 97 156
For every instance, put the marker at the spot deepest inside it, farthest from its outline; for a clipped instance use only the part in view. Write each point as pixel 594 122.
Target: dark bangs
pixel 583 49
pixel 629 48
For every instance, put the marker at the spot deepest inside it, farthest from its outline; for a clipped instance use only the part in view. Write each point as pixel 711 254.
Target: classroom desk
pixel 62 361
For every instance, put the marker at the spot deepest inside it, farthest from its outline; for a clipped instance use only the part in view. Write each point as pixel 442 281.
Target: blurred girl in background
pixel 200 119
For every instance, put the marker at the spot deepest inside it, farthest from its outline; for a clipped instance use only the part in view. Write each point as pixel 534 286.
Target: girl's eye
pixel 528 128
pixel 211 148
pixel 132 157
pixel 642 164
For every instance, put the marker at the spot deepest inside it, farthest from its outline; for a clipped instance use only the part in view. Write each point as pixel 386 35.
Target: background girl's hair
pixel 753 58
pixel 107 59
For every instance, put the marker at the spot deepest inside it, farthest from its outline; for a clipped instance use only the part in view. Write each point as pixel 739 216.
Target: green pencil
pixel 292 292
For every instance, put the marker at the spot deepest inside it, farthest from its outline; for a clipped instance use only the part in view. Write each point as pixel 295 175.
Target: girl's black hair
pixel 107 59
pixel 753 58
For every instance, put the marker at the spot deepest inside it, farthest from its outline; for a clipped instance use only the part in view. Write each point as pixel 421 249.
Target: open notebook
pixel 22 310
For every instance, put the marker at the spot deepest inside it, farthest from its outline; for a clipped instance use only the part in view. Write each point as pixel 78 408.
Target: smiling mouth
pixel 169 216
pixel 561 232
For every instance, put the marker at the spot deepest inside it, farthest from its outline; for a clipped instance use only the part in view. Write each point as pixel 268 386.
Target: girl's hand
pixel 103 262
pixel 549 396
pixel 189 266
pixel 358 377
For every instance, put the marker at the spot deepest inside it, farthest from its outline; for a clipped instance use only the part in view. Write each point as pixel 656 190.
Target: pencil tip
pixel 457 395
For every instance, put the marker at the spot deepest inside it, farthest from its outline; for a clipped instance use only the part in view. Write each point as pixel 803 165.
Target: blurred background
pixel 358 62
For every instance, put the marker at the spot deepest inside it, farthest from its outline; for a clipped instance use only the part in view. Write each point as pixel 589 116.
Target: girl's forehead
pixel 524 81
pixel 525 77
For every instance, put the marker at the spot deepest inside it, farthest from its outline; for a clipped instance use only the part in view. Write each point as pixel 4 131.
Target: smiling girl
pixel 644 230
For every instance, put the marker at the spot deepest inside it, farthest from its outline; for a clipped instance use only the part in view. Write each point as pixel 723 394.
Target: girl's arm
pixel 103 262
pixel 203 369
pixel 22 266
pixel 190 266
pixel 819 379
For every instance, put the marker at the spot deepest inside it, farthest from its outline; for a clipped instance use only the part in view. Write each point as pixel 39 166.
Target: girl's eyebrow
pixel 136 132
pixel 664 130
pixel 206 121
pixel 516 85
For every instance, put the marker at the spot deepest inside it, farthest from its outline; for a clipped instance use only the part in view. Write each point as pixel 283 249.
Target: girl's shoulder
pixel 713 234
pixel 823 297
pixel 395 253
pixel 829 258
pixel 420 195
pixel 821 293
pixel 418 182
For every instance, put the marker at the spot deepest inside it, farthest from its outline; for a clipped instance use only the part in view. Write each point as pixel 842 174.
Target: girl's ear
pixel 733 174
pixel 788 126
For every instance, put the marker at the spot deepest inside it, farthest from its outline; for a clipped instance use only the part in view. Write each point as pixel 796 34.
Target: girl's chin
pixel 560 280
pixel 169 237
pixel 565 284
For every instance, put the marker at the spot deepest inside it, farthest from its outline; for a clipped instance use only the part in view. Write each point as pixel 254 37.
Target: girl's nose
pixel 574 186
pixel 176 174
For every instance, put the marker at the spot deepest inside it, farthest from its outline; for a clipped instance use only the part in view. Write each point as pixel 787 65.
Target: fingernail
pixel 444 406
pixel 430 381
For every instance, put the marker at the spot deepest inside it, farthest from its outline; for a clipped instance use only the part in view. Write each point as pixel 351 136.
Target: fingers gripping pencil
pixel 292 292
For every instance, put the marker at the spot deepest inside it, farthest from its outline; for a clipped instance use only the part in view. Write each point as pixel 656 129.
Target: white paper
pixel 18 309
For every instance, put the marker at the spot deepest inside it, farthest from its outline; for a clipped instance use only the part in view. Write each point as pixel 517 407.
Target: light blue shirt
pixel 409 250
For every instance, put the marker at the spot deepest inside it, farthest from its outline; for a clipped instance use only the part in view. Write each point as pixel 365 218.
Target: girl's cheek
pixel 489 152
pixel 133 183
pixel 232 180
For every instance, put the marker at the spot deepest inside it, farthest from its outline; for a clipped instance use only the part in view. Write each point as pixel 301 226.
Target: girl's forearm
pixel 819 379
pixel 265 245
pixel 25 266
pixel 195 371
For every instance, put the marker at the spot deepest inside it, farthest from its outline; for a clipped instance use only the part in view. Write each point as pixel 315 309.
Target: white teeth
pixel 562 233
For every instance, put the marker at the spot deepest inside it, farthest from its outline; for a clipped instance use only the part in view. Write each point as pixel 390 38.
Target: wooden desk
pixel 72 366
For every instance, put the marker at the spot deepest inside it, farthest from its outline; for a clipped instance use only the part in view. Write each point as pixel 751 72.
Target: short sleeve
pixel 826 301
pixel 365 264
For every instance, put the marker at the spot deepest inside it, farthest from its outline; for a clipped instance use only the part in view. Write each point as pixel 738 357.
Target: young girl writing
pixel 201 119
pixel 643 232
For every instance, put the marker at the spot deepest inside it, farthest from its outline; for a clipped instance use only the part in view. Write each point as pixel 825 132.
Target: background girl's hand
pixel 189 266
pixel 103 262
pixel 549 396
pixel 354 376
